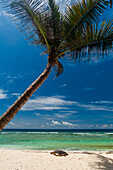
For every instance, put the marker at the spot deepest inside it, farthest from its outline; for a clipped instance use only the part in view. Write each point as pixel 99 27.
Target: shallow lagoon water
pixel 57 139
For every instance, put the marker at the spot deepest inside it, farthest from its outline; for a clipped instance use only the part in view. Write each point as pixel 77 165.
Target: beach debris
pixel 59 153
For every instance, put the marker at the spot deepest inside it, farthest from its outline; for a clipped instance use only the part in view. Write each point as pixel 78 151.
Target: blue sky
pixel 80 98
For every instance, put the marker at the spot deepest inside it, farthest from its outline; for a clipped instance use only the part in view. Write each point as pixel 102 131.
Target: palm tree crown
pixel 76 33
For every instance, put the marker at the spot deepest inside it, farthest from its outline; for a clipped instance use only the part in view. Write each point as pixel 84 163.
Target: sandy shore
pixel 37 160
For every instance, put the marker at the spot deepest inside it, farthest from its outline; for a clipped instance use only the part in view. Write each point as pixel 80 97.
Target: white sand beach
pixel 38 160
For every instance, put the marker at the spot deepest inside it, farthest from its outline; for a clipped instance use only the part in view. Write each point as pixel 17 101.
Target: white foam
pixel 109 133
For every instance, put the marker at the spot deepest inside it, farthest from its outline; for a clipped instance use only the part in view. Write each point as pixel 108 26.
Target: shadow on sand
pixel 104 163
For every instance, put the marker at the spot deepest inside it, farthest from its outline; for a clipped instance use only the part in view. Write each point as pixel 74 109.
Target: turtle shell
pixel 59 153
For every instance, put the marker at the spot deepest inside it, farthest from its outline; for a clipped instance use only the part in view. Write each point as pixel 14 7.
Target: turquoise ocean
pixel 70 140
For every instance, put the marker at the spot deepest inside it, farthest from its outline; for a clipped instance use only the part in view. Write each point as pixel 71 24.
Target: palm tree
pixel 75 34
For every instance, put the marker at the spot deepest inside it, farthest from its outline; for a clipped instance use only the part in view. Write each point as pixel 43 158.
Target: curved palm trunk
pixel 12 111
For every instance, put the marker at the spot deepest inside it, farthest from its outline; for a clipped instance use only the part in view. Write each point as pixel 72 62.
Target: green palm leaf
pixel 54 25
pixel 94 40
pixel 42 23
pixel 84 12
pixel 80 14
pixel 27 15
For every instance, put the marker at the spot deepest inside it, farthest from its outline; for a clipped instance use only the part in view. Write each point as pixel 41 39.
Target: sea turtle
pixel 59 153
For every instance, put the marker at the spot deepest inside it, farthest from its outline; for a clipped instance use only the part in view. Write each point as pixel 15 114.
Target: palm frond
pixel 54 23
pixel 54 16
pixel 84 12
pixel 29 17
pixel 94 42
pixel 58 68
pixel 80 14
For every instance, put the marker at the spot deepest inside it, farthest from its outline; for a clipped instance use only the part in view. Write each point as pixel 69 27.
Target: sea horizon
pixel 58 129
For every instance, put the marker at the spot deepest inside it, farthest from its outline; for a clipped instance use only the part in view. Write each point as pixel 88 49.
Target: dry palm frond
pixel 58 68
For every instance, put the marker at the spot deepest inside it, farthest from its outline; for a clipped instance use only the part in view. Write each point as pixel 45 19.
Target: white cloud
pixel 16 94
pixel 37 114
pixel 12 78
pixel 13 124
pixel 65 114
pixel 67 123
pixel 103 102
pixel 33 107
pixel 47 103
pixel 95 107
pixel 3 95
pixel 104 126
pixel 70 111
pixel 60 115
pixel 63 85
pixel 60 103
pixel 55 122
pixel 42 126
pixel 61 124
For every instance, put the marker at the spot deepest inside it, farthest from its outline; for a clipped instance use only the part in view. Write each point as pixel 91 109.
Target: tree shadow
pixel 103 163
